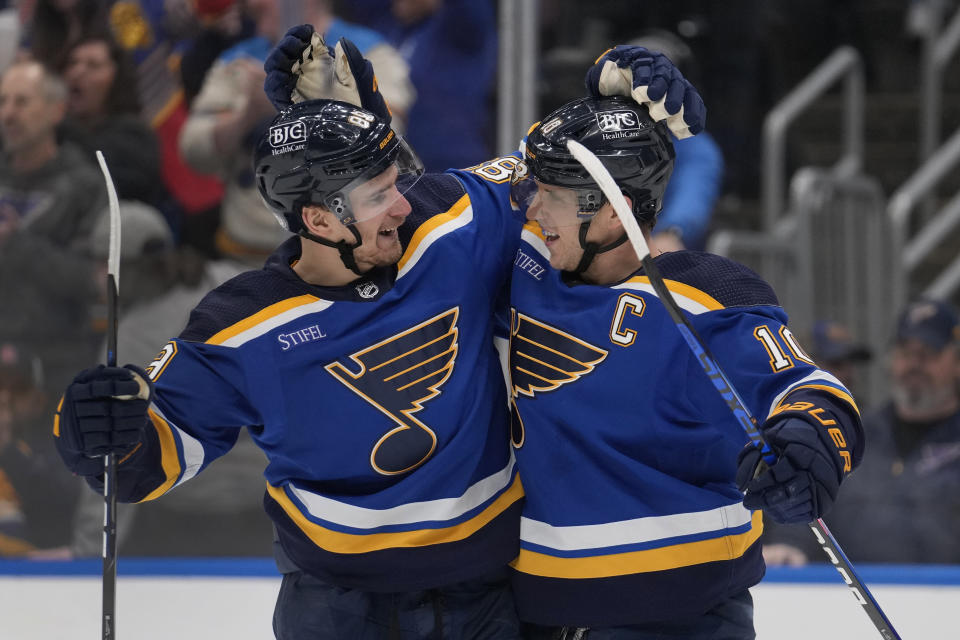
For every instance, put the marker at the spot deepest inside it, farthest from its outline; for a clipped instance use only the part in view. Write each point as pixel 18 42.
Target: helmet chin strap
pixel 343 247
pixel 591 249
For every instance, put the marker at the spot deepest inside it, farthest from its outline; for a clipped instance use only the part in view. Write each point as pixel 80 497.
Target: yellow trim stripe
pixel 534 227
pixel 602 54
pixel 337 542
pixel 168 456
pixel 423 230
pixel 56 418
pixel 686 291
pixel 663 559
pixel 832 390
pixel 261 316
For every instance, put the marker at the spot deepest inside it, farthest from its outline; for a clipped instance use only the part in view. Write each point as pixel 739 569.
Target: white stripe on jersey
pixel 441 510
pixel 275 321
pixel 819 375
pixel 192 449
pixel 637 530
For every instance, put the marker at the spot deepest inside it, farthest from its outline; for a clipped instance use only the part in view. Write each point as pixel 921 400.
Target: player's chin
pixel 558 260
pixel 386 256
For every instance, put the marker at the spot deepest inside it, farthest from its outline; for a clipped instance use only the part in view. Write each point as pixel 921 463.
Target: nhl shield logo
pixel 367 290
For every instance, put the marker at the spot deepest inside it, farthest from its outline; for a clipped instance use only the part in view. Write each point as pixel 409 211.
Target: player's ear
pixel 608 215
pixel 321 222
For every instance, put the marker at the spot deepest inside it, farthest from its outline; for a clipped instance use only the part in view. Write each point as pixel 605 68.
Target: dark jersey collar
pixel 370 286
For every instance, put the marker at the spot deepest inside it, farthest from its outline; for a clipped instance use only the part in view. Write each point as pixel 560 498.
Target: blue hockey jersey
pixel 626 450
pixel 381 406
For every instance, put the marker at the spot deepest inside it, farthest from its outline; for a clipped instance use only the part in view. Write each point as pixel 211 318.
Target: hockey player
pixel 361 361
pixel 633 524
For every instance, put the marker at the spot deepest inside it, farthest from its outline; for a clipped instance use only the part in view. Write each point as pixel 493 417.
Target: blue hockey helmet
pixel 319 151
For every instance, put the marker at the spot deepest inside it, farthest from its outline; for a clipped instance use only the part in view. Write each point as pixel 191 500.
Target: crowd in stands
pixel 171 92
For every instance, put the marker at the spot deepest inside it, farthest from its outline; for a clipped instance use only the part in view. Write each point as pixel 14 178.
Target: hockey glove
pixel 302 67
pixel 803 482
pixel 651 79
pixel 104 410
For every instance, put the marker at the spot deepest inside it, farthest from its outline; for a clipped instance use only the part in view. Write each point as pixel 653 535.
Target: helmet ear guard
pixel 589 202
pixel 337 204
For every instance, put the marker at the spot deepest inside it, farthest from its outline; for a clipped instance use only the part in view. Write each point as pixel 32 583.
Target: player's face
pixel 378 228
pixel 554 209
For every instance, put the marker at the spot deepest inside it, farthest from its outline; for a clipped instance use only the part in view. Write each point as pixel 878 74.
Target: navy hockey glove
pixel 104 410
pixel 283 63
pixel 802 484
pixel 302 67
pixel 651 79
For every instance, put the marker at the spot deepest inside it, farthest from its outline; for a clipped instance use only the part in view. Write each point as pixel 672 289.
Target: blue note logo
pixel 398 376
pixel 543 359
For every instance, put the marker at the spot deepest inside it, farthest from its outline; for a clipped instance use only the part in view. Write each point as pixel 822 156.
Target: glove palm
pixel 303 67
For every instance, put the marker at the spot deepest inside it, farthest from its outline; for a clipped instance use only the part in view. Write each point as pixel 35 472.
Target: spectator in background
pixel 103 112
pixel 36 498
pixel 694 186
pixel 49 198
pixel 835 350
pixel 222 516
pixel 451 47
pixel 10 30
pixel 231 110
pixel 222 24
pixel 152 33
pixel 45 186
pixel 56 25
pixel 903 504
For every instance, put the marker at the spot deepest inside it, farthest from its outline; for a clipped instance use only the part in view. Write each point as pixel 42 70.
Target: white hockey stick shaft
pixel 720 380
pixel 109 618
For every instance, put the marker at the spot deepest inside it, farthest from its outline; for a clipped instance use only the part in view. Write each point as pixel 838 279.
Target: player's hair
pixel 635 149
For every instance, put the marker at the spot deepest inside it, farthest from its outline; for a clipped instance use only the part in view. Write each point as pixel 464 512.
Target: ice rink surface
pixel 203 599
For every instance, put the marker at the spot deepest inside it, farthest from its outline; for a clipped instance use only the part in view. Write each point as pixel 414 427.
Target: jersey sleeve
pixel 747 333
pixel 498 220
pixel 197 412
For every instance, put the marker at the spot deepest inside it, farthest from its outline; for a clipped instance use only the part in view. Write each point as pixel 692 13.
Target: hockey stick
pixel 720 380
pixel 110 461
